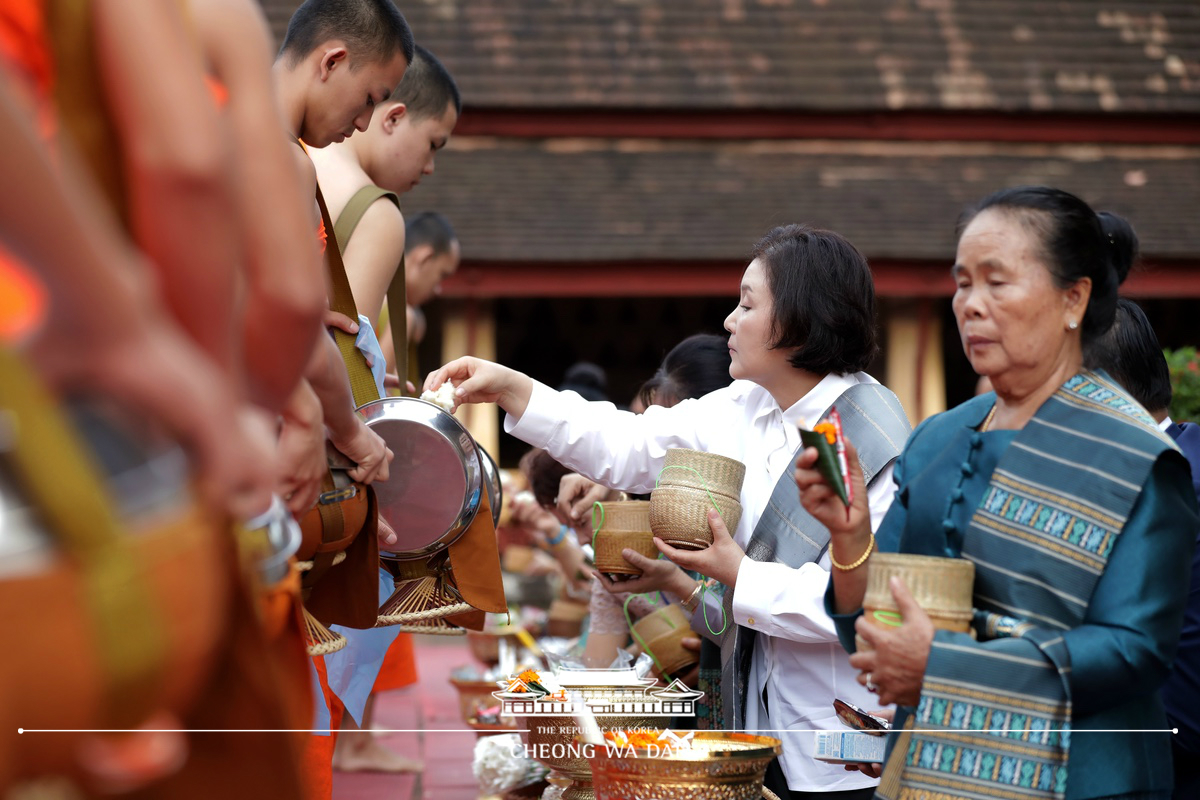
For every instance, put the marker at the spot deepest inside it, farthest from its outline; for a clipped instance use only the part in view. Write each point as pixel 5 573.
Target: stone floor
pixel 433 732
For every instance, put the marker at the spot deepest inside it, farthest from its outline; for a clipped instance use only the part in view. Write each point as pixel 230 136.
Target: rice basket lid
pixel 695 468
pixel 937 583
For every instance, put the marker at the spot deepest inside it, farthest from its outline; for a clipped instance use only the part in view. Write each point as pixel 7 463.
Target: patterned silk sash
pixel 994 722
pixel 874 421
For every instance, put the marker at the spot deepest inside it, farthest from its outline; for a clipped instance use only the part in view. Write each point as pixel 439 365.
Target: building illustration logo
pixel 604 692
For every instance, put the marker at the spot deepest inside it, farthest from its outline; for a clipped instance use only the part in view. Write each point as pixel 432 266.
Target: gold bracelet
pixel 861 559
pixel 691 603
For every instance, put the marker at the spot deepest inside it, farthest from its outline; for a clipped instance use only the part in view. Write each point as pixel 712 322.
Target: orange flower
pixel 828 430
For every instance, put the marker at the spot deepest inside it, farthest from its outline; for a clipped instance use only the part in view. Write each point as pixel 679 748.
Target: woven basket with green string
pixel 616 526
pixel 690 483
pixel 660 634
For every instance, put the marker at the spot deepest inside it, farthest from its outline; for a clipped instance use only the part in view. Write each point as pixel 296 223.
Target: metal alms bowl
pixel 435 484
pixel 491 481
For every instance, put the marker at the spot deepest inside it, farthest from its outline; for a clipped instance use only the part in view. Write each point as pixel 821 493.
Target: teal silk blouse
pixel 1123 651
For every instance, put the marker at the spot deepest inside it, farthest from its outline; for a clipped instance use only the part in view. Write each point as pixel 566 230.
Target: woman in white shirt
pixel 803 331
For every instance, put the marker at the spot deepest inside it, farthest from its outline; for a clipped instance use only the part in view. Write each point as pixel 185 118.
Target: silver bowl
pixel 491 481
pixel 435 484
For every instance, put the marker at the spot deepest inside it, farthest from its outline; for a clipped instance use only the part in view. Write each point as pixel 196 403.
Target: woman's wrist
pixel 681 585
pixel 514 398
pixel 559 536
pixel 852 553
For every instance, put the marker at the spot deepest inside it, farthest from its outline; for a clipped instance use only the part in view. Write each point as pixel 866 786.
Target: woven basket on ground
pixel 679 515
pixel 565 618
pixel 941 586
pixel 473 696
pixel 700 470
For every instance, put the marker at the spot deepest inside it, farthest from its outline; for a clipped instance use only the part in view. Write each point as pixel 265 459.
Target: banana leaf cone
pixel 827 462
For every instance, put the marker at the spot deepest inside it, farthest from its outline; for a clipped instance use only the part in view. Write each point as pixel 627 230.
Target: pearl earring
pixel 1073 325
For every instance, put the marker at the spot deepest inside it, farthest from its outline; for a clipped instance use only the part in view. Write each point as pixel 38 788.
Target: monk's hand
pixel 367 450
pixel 895 668
pixel 820 500
pixel 720 560
pixel 658 575
pixel 336 319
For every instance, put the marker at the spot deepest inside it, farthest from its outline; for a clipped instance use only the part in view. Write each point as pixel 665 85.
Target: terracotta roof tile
pixel 596 199
pixel 844 55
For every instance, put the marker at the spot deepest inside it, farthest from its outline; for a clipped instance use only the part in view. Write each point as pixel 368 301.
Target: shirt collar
pixel 809 408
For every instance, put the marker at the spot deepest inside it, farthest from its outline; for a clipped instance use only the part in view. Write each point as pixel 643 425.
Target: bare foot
pixel 370 756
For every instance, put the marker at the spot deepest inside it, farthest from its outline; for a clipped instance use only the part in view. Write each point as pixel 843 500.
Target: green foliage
pixel 1184 364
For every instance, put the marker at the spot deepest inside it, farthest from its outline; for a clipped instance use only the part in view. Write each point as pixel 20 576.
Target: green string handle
pixel 703 480
pixel 890 618
pixel 596 528
pixel 704 612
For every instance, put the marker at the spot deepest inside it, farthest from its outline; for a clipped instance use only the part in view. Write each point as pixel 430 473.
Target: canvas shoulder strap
pixel 397 295
pixel 352 214
pixel 362 383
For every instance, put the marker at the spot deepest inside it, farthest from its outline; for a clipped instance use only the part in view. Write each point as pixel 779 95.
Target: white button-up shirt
pixel 797 657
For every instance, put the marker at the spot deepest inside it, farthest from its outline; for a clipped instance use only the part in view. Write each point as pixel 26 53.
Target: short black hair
pixel 431 228
pixel 1130 353
pixel 823 297
pixel 427 87
pixel 694 367
pixel 1076 242
pixel 586 379
pixel 544 475
pixel 374 30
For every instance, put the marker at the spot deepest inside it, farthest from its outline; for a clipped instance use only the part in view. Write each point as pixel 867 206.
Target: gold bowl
pixel 716 766
pixel 553 742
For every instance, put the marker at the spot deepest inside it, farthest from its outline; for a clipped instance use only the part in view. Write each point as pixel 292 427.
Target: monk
pixel 395 152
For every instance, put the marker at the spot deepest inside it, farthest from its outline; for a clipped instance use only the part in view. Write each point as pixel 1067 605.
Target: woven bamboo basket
pixel 660 633
pixel 565 618
pixel 679 515
pixel 941 586
pixel 621 515
pixel 485 644
pixel 609 544
pixel 669 654
pixel 659 621
pixel 318 639
pixel 700 470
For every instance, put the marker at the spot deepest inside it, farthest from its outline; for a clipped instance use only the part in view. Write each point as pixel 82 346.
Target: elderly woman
pixel 803 331
pixel 1077 513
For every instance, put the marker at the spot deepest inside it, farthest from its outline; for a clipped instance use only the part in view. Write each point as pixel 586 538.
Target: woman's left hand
pixel 720 560
pixel 896 665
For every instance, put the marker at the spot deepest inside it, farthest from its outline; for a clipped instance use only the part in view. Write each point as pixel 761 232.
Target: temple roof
pixel 1018 55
